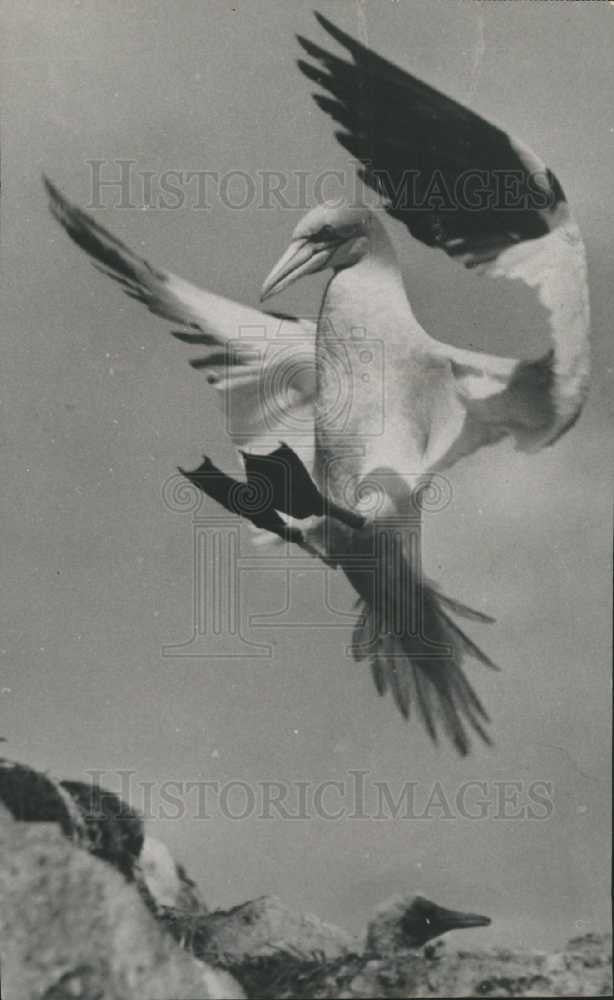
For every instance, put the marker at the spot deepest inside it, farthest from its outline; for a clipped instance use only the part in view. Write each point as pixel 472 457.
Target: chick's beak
pixel 456 920
pixel 302 257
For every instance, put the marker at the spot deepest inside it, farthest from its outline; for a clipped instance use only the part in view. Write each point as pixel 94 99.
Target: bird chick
pixel 403 923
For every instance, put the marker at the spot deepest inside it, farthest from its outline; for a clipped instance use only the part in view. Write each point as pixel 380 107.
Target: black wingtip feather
pixel 310 47
pixel 317 52
pixel 314 73
pixel 398 123
pixel 337 33
pixel 193 338
pixel 51 189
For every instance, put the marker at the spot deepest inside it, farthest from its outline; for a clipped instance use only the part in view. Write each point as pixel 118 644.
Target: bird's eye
pixel 326 232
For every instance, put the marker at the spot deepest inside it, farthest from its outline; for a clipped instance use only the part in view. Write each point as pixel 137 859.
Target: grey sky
pixel 99 407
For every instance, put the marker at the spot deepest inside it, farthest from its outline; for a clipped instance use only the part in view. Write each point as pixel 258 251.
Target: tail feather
pixel 378 671
pixel 466 644
pixel 457 608
pixel 365 637
pixel 473 702
pixel 473 714
pixel 451 716
pixel 398 677
pixel 423 698
pixel 421 666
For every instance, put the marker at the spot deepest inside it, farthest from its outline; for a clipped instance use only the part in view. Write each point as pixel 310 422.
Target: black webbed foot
pixel 275 482
pixel 293 490
pixel 244 499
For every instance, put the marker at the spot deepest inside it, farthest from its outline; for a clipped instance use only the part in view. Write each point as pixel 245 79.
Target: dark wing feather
pixel 439 166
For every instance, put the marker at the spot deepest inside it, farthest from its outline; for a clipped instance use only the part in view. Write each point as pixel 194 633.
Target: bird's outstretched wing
pixel 262 364
pixel 466 186
pixel 443 170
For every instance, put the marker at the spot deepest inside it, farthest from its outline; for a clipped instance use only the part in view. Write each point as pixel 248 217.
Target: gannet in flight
pixel 358 485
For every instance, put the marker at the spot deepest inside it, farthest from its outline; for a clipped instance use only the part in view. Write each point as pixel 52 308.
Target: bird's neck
pixel 368 298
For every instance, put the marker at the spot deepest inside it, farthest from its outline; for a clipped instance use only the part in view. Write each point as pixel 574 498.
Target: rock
pixel 166 880
pixel 89 815
pixel 585 963
pixel 439 973
pixel 169 893
pixel 32 797
pixel 70 926
pixel 265 927
pixel 113 831
pixel 103 824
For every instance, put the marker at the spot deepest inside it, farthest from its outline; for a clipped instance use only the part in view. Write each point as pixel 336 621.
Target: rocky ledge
pixel 92 908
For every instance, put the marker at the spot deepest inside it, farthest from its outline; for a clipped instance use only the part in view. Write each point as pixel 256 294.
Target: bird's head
pixel 334 236
pixel 424 920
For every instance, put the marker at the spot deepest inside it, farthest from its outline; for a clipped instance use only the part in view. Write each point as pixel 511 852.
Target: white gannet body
pixel 347 485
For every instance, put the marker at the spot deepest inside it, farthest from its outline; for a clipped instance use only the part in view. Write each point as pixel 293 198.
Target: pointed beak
pixel 451 920
pixel 301 257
